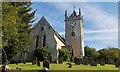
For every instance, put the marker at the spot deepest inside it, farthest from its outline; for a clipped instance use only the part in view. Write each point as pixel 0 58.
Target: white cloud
pixel 74 0
pixel 104 24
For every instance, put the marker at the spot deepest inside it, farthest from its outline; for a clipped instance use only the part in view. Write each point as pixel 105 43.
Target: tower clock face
pixel 72 24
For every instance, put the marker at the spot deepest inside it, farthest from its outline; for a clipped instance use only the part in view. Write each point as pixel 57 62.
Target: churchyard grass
pixel 64 66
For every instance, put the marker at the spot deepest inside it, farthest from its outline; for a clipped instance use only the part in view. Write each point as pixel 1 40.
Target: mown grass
pixel 64 66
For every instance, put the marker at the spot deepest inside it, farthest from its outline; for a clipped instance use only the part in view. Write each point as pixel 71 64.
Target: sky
pixel 100 20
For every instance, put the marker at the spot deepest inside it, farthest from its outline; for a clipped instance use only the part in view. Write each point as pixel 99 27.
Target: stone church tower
pixel 74 35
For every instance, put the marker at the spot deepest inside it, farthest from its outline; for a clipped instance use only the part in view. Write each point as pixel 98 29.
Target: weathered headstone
pixel 102 62
pixel 60 59
pixel 69 65
pixel 46 64
pixel 85 60
pixel 77 61
pixel 90 59
pixel 93 63
pixel 71 59
pixel 24 62
pixel 34 61
pixel 50 59
pixel 16 63
pixel 38 63
pixel 5 68
pixel 117 64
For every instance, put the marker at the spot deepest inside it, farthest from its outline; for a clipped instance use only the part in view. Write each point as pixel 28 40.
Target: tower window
pixel 73 34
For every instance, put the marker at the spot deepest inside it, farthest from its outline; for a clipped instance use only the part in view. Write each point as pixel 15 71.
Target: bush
pixel 41 53
pixel 65 54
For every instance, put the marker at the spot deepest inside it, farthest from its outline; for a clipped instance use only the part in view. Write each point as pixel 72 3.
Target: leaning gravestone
pixel 69 65
pixel 60 59
pixel 46 64
pixel 50 59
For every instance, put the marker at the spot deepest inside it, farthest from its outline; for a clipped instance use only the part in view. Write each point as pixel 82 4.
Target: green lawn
pixel 64 66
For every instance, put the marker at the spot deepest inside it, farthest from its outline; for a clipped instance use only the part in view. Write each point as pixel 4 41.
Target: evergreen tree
pixel 16 22
pixel 24 24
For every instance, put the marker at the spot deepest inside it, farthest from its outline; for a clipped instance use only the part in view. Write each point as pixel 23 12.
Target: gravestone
pixel 60 59
pixel 46 64
pixel 34 61
pixel 16 63
pixel 117 64
pixel 71 59
pixel 38 63
pixel 93 63
pixel 85 60
pixel 69 65
pixel 90 59
pixel 77 61
pixel 50 59
pixel 24 62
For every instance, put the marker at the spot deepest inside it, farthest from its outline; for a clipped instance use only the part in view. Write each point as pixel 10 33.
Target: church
pixel 43 35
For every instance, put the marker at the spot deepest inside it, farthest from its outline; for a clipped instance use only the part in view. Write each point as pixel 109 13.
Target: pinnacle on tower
pixel 79 12
pixel 65 13
pixel 74 13
pixel 74 8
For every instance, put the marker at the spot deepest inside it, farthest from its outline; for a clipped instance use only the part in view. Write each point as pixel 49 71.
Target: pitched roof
pixel 57 34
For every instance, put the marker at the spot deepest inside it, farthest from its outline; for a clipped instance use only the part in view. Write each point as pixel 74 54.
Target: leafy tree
pixel 41 53
pixel 65 54
pixel 91 52
pixel 110 55
pixel 24 24
pixel 9 28
pixel 16 23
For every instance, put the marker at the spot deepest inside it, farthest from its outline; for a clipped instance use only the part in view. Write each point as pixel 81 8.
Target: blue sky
pixel 100 20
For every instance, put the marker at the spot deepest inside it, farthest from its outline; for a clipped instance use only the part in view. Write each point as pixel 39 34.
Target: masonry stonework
pixel 74 35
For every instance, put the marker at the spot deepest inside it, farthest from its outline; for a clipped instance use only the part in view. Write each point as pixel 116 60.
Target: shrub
pixel 41 53
pixel 65 54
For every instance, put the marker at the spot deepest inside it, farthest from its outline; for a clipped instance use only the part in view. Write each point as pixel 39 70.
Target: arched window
pixel 44 40
pixel 42 29
pixel 73 34
pixel 37 41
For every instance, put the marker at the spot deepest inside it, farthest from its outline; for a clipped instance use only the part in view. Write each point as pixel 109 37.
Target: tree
pixel 110 55
pixel 91 52
pixel 17 17
pixel 9 28
pixel 24 24
pixel 41 53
